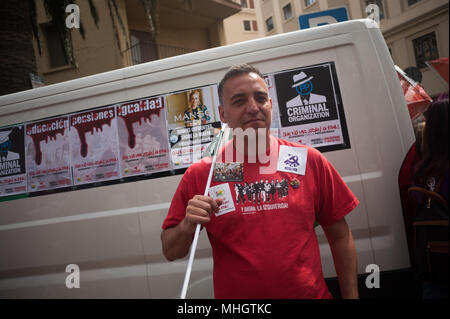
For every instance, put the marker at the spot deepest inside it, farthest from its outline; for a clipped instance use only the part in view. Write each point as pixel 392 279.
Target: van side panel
pixel 113 232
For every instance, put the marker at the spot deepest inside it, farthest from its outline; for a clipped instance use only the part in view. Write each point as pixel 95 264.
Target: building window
pixel 287 11
pixel 309 2
pixel 57 54
pixel 252 4
pixel 244 4
pixel 269 24
pixel 425 49
pixel 143 49
pixel 250 25
pixel 247 26
pixel 379 3
pixel 411 2
pixel 255 25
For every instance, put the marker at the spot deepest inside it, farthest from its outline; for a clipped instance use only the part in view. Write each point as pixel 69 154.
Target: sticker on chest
pixel 292 159
pixel 223 192
pixel 229 172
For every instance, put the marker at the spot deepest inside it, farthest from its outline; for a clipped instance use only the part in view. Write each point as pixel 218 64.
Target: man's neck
pixel 254 145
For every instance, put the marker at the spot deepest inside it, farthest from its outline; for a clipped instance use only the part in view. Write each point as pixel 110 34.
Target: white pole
pixel 197 229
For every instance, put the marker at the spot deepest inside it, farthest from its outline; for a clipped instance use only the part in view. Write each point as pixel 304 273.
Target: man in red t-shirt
pixel 265 246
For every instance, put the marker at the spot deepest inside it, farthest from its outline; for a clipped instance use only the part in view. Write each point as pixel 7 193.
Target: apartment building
pixel 242 26
pixel 122 37
pixel 415 30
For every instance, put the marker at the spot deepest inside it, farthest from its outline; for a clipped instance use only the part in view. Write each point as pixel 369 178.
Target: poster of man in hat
pixel 12 161
pixel 310 106
pixel 304 86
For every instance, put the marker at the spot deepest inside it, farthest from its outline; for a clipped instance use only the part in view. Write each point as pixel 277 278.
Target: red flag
pixel 440 68
pixel 416 98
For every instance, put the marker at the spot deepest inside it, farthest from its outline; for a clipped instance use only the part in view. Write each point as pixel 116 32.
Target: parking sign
pixel 317 19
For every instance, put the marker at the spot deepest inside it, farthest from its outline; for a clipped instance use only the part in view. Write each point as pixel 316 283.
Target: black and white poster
pixel 310 106
pixel 12 161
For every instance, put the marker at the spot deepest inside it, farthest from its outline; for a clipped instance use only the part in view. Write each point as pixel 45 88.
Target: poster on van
pixel 94 146
pixel 193 121
pixel 143 143
pixel 47 154
pixel 310 106
pixel 189 143
pixel 275 125
pixel 12 161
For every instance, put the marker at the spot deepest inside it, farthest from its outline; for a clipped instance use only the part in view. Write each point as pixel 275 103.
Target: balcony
pixel 146 51
pixel 177 14
pixel 202 14
pixel 181 28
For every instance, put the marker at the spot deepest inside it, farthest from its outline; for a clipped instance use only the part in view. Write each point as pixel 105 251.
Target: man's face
pixel 246 102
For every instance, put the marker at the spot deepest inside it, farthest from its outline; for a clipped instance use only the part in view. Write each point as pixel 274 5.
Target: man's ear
pixel 222 114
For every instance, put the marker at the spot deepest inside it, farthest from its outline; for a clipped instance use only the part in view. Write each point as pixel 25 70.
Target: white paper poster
pixel 47 154
pixel 94 146
pixel 144 146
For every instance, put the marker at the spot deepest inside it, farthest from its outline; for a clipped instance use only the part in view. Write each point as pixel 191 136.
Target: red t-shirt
pixel 264 245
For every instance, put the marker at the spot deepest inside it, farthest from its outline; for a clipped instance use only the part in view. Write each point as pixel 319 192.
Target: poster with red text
pixel 143 142
pixel 94 146
pixel 47 154
pixel 275 125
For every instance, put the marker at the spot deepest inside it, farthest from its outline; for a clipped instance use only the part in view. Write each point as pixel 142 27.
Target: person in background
pixel 432 171
pixel 434 164
pixel 405 181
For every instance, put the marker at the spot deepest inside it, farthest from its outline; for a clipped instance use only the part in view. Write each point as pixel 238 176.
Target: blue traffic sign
pixel 315 19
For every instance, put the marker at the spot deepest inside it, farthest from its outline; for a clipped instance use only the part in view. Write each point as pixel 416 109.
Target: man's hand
pixel 177 240
pixel 198 211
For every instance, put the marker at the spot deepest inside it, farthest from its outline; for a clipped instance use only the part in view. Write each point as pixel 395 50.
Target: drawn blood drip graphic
pixel 91 122
pixel 137 112
pixel 45 131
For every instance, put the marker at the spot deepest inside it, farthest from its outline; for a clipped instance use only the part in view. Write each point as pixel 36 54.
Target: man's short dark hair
pixel 235 71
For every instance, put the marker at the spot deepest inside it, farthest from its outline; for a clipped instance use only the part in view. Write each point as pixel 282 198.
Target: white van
pixel 108 225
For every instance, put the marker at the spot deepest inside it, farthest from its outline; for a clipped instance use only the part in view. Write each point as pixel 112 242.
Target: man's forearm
pixel 346 265
pixel 176 242
pixel 344 256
